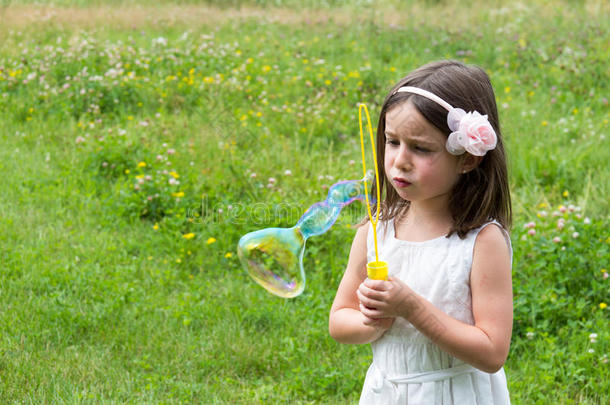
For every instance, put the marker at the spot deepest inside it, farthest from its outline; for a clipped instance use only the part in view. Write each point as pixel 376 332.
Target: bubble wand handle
pixel 361 107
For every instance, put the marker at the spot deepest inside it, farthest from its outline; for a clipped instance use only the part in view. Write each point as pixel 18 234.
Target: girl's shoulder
pixel 491 236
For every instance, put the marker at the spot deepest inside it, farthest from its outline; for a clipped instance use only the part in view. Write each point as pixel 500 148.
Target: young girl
pixel 440 326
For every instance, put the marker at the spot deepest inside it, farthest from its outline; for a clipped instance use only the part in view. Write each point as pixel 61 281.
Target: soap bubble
pixel 274 256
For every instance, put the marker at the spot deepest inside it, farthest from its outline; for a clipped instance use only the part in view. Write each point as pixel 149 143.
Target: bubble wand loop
pixel 377 270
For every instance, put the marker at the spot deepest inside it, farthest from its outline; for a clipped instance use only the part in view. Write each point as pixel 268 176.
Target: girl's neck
pixel 423 223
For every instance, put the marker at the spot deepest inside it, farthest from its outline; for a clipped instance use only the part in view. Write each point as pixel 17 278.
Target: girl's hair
pixel 481 194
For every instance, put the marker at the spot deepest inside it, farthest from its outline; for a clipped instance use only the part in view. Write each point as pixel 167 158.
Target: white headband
pixel 472 131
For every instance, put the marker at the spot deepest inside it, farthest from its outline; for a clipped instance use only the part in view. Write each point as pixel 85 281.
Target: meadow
pixel 138 143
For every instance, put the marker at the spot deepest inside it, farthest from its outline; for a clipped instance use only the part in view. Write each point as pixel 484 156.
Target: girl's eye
pixel 422 149
pixel 392 142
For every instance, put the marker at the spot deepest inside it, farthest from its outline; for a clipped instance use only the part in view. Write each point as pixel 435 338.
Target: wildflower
pixel 189 235
pixel 127 171
pixel 556 239
pixel 575 235
pixel 253 175
pixel 229 255
pixel 287 173
pixel 529 335
pixel 210 240
pixel 593 337
pixel 142 164
pixel 566 193
pixel 351 162
pixel 179 194
pixel 603 305
pixel 531 232
pixel 171 151
pixel 271 180
pixel 562 209
pixel 174 175
pixel 156 227
pixel 544 123
pixel 79 139
pixel 530 225
pixel 591 351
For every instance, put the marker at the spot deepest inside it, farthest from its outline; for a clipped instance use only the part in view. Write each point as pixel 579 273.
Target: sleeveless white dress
pixel 407 367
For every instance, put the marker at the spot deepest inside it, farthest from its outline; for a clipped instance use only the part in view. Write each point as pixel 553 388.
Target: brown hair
pixel 480 195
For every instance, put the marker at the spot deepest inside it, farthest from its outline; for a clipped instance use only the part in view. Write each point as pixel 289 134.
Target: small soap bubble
pixel 274 256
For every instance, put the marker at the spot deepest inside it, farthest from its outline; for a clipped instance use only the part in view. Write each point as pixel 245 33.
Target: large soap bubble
pixel 274 256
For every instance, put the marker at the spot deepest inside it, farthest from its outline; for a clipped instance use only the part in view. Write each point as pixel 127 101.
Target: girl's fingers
pixel 371 293
pixel 368 302
pixel 370 312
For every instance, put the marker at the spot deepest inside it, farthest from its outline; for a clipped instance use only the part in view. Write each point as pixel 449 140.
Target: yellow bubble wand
pixel 376 270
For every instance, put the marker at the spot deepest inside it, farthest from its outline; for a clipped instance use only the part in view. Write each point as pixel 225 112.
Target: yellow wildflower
pixel 156 226
pixel 544 123
pixel 566 193
pixel 602 305
pixel 174 175
pixel 229 255
pixel 178 194
pixel 190 235
pixel 127 171
pixel 211 240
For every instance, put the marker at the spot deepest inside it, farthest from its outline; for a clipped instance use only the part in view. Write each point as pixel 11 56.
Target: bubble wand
pixel 377 270
pixel 274 256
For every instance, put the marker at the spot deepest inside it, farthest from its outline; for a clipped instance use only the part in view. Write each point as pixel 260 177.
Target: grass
pixel 104 299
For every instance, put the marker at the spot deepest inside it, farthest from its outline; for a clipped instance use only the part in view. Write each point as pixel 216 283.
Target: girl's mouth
pixel 401 182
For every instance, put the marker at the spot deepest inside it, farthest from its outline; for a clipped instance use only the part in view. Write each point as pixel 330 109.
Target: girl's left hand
pixel 386 299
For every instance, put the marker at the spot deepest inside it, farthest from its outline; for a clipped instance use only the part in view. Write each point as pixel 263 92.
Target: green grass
pixel 103 299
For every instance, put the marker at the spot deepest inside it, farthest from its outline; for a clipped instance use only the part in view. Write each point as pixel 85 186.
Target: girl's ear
pixel 469 162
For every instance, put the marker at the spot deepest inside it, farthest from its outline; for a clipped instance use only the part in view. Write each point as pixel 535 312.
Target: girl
pixel 440 326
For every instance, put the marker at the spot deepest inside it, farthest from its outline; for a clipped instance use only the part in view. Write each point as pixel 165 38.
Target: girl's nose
pixel 403 160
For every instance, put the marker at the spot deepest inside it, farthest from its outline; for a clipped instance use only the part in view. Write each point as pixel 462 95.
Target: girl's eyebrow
pixel 418 139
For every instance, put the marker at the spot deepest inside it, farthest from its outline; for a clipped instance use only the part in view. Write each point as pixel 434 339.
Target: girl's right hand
pixel 378 323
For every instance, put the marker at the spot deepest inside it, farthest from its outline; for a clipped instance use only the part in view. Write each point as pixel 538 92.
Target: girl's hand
pixel 379 323
pixel 381 299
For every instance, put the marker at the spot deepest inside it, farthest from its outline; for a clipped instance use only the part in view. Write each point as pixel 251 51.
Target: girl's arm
pixel 485 344
pixel 346 322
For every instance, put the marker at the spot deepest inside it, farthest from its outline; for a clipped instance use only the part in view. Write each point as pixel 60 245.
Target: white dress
pixel 407 367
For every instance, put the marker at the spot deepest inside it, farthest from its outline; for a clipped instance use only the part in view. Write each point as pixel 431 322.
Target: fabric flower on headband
pixel 472 133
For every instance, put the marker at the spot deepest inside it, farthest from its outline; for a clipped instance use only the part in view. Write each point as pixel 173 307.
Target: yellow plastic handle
pixel 361 107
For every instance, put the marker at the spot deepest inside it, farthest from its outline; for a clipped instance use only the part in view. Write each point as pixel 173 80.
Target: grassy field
pixel 140 142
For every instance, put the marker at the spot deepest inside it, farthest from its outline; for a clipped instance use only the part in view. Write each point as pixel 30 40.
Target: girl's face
pixel 417 163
